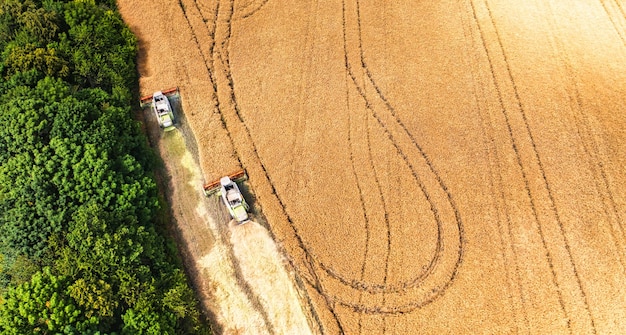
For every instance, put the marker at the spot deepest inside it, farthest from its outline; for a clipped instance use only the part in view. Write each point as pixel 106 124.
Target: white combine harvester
pixel 231 196
pixel 162 108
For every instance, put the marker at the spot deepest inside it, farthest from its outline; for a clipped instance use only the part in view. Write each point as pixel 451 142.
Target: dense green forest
pixel 82 247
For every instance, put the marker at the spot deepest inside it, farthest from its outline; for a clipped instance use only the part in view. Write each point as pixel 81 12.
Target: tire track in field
pixel 510 254
pixel 618 21
pixel 377 182
pixel 361 197
pixel 220 57
pixel 366 217
pixel 314 280
pixel 379 195
pixel 245 287
pixel 299 128
pixel 249 9
pixel 224 56
pixel 396 130
pixel 386 217
pixel 377 288
pixel 545 184
pixel 413 141
pixel 211 34
pixel 590 146
pixel 355 284
pixel 514 146
pixel 543 174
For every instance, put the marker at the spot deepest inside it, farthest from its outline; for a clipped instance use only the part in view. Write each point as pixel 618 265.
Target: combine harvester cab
pixel 231 195
pixel 162 108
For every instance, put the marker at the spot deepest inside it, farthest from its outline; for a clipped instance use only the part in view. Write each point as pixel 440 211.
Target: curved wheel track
pixel 226 101
pixel 617 14
pixel 442 205
pixel 249 9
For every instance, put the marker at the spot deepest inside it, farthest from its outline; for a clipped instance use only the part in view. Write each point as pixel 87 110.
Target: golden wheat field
pixel 426 167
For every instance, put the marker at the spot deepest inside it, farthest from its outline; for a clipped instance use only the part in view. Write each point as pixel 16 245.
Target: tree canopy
pixel 82 249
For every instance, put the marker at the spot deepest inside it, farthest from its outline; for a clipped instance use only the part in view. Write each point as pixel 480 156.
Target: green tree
pixel 43 306
pixel 73 149
pixel 99 245
pixel 39 23
pixel 22 58
pixel 96 297
pixel 103 48
pixel 75 188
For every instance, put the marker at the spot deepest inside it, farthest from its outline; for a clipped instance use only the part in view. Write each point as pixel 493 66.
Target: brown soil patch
pixel 432 167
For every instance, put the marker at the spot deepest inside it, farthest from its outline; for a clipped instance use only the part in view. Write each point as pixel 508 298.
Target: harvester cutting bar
pixel 214 186
pixel 148 98
pixel 171 90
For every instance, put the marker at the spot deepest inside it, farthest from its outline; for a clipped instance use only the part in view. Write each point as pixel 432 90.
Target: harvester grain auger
pixel 227 189
pixel 160 104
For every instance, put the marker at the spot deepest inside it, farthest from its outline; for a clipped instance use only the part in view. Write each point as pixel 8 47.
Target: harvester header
pixel 214 186
pixel 147 99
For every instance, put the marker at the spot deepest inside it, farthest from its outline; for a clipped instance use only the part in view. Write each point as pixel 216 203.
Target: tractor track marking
pixel 514 281
pixel 620 29
pixel 212 33
pixel 543 172
pixel 482 102
pixel 230 87
pixel 519 162
pixel 245 12
pixel 222 54
pixel 552 204
pixel 361 200
pixel 590 146
pixel 377 181
pixel 241 282
pixel 301 122
pixel 368 100
pixel 378 288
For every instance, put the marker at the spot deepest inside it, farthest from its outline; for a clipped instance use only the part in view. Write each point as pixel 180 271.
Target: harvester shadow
pixel 255 211
pixel 143 46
